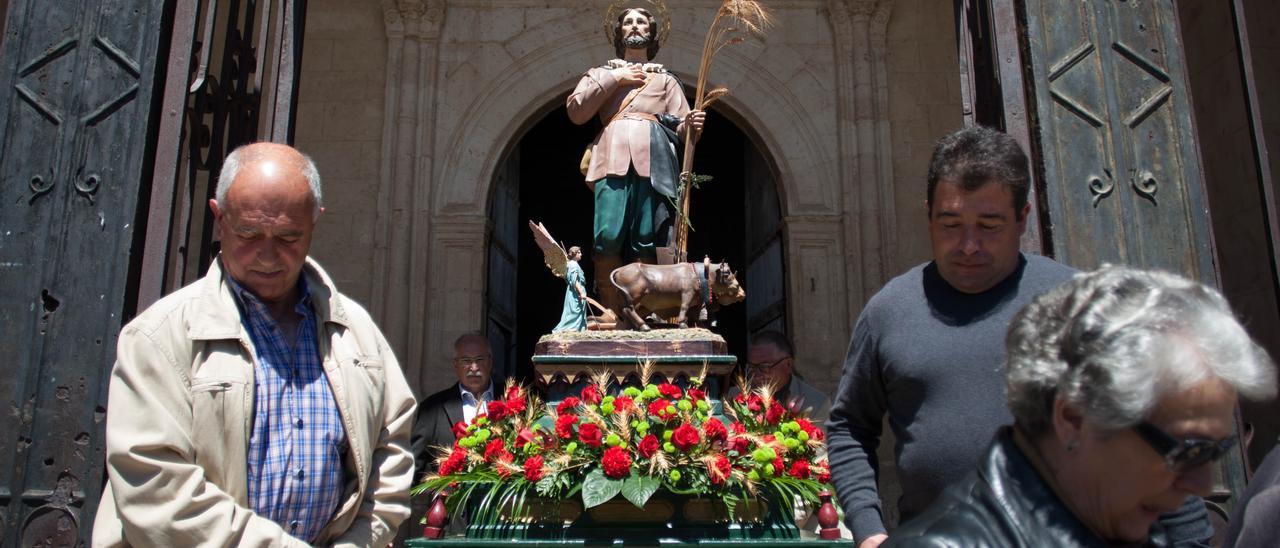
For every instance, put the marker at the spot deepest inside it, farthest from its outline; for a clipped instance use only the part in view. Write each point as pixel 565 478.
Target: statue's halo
pixel 657 7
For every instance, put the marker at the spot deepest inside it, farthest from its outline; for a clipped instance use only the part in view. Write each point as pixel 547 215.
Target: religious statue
pixel 564 264
pixel 632 167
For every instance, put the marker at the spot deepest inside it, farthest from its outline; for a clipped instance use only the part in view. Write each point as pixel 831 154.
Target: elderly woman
pixel 1123 386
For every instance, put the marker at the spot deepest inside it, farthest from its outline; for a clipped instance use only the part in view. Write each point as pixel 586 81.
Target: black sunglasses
pixel 1183 454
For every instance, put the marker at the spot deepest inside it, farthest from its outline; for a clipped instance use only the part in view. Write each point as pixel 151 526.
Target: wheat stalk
pixel 734 21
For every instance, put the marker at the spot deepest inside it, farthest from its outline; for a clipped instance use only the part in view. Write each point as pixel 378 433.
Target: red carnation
pixel 591 394
pixel 533 468
pixel 658 408
pixel 715 430
pixel 696 394
pixel 755 403
pixel 513 392
pixel 457 459
pixel 685 437
pixel 774 414
pixel 720 470
pixel 823 474
pixel 670 390
pixel 515 406
pixel 590 434
pixel 567 405
pixel 739 444
pixel 778 467
pixel 564 426
pixel 623 404
pixel 493 449
pixel 497 410
pixel 616 463
pixel 649 445
pixel 800 469
pixel 738 428
pixel 459 429
pixel 814 432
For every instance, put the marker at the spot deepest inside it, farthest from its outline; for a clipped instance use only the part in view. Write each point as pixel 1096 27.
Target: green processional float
pixel 625 440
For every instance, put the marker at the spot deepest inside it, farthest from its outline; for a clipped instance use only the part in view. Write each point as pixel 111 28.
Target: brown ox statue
pixel 675 289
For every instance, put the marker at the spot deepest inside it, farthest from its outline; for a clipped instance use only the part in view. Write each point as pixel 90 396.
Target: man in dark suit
pixel 460 402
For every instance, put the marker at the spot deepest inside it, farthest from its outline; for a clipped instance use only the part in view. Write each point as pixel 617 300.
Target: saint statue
pixel 632 168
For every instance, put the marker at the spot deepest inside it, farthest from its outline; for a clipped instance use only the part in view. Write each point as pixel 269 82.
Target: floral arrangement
pixel 633 442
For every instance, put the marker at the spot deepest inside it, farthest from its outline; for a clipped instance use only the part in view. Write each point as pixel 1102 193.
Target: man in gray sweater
pixel 928 348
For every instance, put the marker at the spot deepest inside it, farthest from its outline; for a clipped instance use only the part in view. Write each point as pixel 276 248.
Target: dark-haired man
pixel 928 348
pixel 633 168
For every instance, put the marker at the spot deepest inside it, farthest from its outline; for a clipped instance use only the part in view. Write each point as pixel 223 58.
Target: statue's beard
pixel 636 42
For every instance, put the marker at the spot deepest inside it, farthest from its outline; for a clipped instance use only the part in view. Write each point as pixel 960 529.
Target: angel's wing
pixel 552 254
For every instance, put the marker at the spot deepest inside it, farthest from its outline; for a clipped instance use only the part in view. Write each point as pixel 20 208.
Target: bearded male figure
pixel 633 168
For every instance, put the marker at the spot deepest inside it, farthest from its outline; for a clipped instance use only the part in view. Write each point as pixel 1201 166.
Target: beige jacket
pixel 625 141
pixel 179 415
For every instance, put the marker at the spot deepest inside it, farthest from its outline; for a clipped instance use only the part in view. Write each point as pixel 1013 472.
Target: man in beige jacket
pixel 257 406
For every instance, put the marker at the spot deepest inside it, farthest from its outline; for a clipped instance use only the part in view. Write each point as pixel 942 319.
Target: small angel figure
pixel 573 317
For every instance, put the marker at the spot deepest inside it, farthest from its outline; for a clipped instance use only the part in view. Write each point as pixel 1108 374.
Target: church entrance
pixel 736 217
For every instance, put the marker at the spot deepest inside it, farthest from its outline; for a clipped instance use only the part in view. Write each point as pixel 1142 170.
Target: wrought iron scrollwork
pixel 1100 188
pixel 1145 185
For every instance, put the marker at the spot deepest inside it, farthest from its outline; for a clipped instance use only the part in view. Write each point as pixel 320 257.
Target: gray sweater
pixel 930 357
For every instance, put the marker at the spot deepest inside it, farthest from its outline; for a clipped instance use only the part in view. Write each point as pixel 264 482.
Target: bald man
pixel 257 406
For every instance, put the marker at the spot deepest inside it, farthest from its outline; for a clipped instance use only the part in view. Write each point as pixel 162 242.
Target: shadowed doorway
pixel 735 216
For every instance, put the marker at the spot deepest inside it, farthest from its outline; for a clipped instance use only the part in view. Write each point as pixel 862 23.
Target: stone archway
pixel 456 97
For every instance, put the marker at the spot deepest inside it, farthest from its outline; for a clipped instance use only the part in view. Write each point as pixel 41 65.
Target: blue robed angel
pixel 573 317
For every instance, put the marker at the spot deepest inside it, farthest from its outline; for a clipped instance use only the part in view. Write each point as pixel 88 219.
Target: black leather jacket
pixel 1005 503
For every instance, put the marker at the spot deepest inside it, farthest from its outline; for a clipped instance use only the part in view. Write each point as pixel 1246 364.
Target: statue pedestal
pixel 564 361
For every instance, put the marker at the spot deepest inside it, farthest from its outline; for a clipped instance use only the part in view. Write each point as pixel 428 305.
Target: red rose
pixel 715 430
pixel 567 405
pixel 564 426
pixel 696 394
pixel 497 410
pixel 658 408
pixel 685 437
pixel 591 394
pixel 623 404
pixel 533 468
pixel 774 414
pixel 670 390
pixel 493 449
pixel 720 470
pixel 459 429
pixel 515 406
pixel 590 434
pixel 800 469
pixel 457 459
pixel 616 463
pixel 649 445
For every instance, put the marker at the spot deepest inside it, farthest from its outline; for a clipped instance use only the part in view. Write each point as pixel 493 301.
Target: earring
pixel 1071 446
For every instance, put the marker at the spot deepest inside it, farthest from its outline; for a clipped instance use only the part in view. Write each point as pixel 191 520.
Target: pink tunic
pixel 625 142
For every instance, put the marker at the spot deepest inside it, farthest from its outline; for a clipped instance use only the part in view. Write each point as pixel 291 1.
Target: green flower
pixel 768 470
pixel 684 405
pixel 802 436
pixel 613 440
pixel 703 405
pixel 632 392
pixel 573 446
pixel 666 435
pixel 791 443
pixel 763 455
pixel 669 447
pixel 674 475
pixel 606 408
pixel 753 475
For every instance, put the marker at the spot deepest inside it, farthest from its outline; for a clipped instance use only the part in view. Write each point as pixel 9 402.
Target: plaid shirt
pixel 297 441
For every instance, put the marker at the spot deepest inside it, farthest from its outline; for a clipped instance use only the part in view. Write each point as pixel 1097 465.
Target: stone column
pixel 402 229
pixel 866 160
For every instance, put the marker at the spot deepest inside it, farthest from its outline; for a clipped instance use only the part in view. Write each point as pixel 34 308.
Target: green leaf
pixel 598 488
pixel 638 489
pixel 547 485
